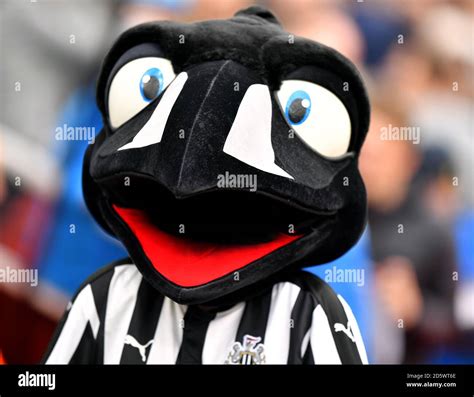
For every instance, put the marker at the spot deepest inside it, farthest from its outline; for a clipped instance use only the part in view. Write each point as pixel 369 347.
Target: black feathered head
pixel 228 154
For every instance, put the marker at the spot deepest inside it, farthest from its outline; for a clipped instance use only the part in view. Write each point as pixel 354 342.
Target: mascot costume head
pixel 228 154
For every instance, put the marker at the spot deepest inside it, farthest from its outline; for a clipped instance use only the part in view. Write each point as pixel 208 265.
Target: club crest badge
pixel 249 352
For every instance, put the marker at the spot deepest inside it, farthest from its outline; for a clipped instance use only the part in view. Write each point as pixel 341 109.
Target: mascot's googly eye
pixel 317 115
pixel 151 84
pixel 135 85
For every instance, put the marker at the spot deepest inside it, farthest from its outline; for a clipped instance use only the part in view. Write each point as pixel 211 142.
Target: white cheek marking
pixel 152 131
pixel 249 138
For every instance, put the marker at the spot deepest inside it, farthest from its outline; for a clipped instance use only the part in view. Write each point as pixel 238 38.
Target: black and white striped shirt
pixel 118 318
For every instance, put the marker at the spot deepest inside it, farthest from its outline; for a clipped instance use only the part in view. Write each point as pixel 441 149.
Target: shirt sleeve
pixel 334 336
pixel 75 339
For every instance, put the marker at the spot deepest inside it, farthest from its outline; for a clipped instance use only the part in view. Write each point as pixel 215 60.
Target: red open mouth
pixel 190 263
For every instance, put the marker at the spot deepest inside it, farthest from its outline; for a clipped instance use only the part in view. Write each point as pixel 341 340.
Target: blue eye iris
pixel 151 84
pixel 298 107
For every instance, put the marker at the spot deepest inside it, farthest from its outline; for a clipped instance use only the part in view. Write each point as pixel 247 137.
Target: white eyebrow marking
pixel 250 139
pixel 152 131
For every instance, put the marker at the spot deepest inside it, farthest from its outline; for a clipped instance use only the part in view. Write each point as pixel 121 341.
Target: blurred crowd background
pixel 416 301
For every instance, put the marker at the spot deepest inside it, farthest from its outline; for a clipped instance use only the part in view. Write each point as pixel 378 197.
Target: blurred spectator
pixel 323 21
pixel 2 172
pixel 431 76
pixel 414 254
pixel 212 9
pixel 436 184
pixel 380 25
pixel 40 65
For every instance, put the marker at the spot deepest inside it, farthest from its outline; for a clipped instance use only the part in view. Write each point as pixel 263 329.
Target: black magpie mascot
pixel 227 162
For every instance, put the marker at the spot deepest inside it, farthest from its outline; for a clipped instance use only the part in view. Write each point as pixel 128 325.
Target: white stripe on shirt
pixel 322 341
pixel 277 334
pixel 169 334
pixel 221 334
pixel 82 312
pixel 355 330
pixel 121 300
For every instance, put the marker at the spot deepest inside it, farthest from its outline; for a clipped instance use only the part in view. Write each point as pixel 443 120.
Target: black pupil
pixel 296 111
pixel 151 88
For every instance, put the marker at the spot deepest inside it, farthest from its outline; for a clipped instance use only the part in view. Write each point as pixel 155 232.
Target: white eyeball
pixel 135 85
pixel 317 115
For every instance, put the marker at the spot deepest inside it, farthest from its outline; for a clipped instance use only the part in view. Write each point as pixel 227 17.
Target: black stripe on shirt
pixel 255 317
pixel 85 352
pixel 196 322
pixel 143 323
pixel 302 316
pixel 308 358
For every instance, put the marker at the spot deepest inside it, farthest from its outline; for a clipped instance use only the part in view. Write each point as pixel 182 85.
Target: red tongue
pixel 190 263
